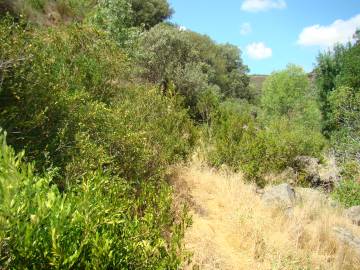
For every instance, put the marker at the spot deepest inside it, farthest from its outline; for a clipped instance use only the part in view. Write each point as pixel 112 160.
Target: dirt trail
pixel 232 229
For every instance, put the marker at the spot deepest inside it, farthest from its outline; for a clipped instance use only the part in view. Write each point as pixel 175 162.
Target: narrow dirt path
pixel 232 229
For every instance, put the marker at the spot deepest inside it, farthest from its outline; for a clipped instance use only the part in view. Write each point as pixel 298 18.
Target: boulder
pixel 348 238
pixel 279 196
pixel 288 175
pixel 329 174
pixel 325 175
pixel 308 166
pixel 310 195
pixel 353 213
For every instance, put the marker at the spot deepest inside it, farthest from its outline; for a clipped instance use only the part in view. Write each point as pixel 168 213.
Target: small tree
pixel 288 94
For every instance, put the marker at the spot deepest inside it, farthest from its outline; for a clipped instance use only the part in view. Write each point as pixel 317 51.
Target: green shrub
pixel 268 139
pixel 345 117
pixel 103 223
pixel 348 193
pixel 238 141
pixel 67 99
pixel 233 129
pixel 197 66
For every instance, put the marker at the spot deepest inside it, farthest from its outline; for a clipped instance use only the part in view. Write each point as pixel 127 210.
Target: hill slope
pixel 232 229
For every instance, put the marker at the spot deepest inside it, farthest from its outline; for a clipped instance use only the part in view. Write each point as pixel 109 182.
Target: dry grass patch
pixel 232 229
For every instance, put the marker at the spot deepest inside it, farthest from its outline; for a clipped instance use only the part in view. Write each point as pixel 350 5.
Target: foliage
pixel 288 126
pixel 99 224
pixel 327 70
pixel 232 126
pixel 49 12
pixel 194 63
pixel 115 17
pixel 338 84
pixel 345 116
pixel 348 193
pixel 208 102
pixel 288 94
pixel 241 142
pixel 71 91
pixel 350 69
pixel 149 13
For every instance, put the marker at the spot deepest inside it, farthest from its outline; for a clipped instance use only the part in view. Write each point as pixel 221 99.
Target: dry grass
pixel 232 229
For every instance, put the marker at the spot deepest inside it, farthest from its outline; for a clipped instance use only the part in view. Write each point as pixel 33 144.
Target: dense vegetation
pixel 338 83
pixel 99 98
pixel 90 190
pixel 268 137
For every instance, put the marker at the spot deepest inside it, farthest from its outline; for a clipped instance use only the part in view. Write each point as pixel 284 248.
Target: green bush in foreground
pixel 70 103
pixel 103 223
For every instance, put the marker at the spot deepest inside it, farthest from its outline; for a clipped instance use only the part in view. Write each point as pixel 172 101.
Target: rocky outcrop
pixel 309 166
pixel 348 238
pixel 353 214
pixel 325 175
pixel 282 195
pixel 310 195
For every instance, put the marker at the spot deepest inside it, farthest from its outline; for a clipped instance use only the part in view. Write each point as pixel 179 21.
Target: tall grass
pixel 233 229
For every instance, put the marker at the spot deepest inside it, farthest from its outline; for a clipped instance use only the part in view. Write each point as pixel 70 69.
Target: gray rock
pixel 306 163
pixel 313 196
pixel 348 238
pixel 288 175
pixel 329 173
pixel 308 166
pixel 353 213
pixel 280 196
pixel 325 175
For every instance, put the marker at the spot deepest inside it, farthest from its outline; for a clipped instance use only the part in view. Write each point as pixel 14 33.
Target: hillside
pixel 233 228
pixel 130 142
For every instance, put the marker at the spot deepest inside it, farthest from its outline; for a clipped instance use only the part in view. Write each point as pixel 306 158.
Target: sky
pixel 272 33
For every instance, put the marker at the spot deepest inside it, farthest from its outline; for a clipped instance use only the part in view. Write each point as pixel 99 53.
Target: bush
pixel 239 140
pixel 288 126
pixel 197 66
pixel 345 118
pixel 67 99
pixel 348 193
pixel 233 130
pixel 103 223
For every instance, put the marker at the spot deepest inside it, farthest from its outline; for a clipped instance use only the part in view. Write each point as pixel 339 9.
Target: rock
pixel 329 174
pixel 282 195
pixel 309 164
pixel 325 175
pixel 310 195
pixel 310 167
pixel 353 213
pixel 348 238
pixel 288 175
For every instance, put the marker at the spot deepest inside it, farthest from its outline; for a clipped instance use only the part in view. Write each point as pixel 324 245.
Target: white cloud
pixel 339 31
pixel 245 29
pixel 258 51
pixel 262 5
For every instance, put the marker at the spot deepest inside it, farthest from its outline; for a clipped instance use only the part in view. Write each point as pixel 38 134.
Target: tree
pixel 349 74
pixel 357 36
pixel 193 62
pixel 345 116
pixel 149 13
pixel 288 94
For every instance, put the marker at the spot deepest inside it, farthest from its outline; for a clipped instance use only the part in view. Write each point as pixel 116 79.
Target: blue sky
pixel 272 33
